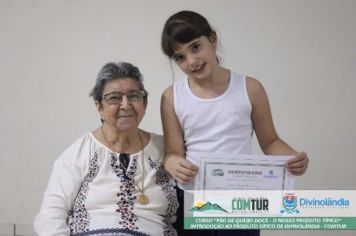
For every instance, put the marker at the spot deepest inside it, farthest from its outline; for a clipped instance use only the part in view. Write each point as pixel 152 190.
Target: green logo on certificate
pixel 200 206
pixel 217 172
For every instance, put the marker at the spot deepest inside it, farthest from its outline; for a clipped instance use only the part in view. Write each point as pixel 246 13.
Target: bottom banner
pixel 270 209
pixel 271 223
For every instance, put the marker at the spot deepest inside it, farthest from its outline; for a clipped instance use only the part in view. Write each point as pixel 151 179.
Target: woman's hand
pixel 298 164
pixel 180 169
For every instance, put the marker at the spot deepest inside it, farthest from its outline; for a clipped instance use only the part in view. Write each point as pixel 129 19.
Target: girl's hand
pixel 180 169
pixel 298 164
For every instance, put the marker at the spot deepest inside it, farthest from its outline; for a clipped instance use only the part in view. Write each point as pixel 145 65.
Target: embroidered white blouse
pixel 88 193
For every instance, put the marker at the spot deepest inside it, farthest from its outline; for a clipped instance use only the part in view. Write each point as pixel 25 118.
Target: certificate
pixel 243 172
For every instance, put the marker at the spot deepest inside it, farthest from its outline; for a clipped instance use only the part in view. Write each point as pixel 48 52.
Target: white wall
pixel 304 52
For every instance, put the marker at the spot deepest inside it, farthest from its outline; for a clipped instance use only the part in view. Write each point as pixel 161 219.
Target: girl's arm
pixel 175 163
pixel 266 134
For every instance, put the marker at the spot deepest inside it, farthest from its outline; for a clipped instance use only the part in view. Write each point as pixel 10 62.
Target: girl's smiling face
pixel 197 58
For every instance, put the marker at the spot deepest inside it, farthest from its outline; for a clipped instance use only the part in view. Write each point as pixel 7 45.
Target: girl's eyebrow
pixel 192 43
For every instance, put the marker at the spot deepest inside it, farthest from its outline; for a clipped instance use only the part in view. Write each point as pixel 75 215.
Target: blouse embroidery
pixel 126 197
pixel 126 221
pixel 79 218
pixel 111 232
pixel 163 180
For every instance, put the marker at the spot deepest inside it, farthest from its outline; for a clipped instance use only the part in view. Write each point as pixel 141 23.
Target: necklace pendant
pixel 143 199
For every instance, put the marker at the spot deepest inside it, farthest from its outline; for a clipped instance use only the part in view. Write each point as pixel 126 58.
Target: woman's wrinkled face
pixel 122 104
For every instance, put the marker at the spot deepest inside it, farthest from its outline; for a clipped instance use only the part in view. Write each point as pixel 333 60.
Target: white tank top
pixel 218 125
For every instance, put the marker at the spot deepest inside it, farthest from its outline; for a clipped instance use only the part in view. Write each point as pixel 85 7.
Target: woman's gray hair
pixel 112 71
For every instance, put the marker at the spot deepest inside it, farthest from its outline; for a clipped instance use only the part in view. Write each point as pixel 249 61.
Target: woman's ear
pixel 99 108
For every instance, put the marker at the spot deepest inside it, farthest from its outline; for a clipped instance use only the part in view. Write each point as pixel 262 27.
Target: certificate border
pixel 205 163
pixel 273 160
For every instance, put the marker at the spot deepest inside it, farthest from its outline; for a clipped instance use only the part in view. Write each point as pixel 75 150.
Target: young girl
pixel 212 109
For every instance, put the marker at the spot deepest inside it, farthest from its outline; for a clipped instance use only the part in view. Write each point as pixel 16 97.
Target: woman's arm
pixel 61 191
pixel 175 163
pixel 268 139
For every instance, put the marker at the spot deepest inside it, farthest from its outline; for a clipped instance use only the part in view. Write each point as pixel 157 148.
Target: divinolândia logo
pixel 290 204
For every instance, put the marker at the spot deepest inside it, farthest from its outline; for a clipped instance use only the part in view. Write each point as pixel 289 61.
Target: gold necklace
pixel 142 199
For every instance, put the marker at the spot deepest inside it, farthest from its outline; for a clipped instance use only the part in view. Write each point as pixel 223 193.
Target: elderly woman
pixel 111 180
